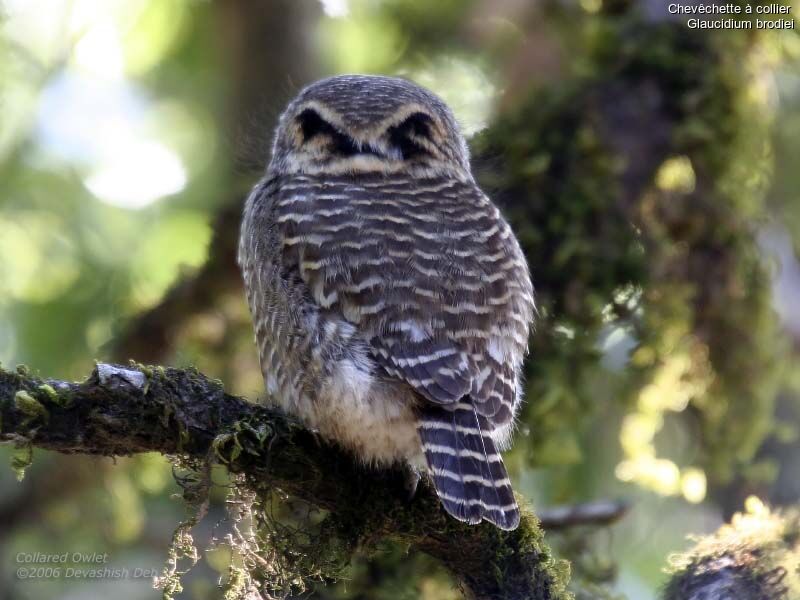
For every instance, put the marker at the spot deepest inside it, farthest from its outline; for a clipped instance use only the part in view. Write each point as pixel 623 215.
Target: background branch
pixel 150 335
pixel 600 513
pixel 268 59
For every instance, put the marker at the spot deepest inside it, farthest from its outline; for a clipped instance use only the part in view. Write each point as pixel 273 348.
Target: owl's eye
pixel 410 135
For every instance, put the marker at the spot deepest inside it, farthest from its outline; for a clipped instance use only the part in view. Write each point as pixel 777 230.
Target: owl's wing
pixel 430 275
pixel 437 369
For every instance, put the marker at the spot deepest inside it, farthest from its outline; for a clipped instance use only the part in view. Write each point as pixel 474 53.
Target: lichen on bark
pixel 119 411
pixel 755 557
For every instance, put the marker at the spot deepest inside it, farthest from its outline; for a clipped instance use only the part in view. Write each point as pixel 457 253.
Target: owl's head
pixel 356 124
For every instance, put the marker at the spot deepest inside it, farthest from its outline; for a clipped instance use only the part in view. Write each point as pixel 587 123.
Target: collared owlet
pixel 391 300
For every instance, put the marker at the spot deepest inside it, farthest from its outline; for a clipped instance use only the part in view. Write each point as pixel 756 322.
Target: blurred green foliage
pixel 649 171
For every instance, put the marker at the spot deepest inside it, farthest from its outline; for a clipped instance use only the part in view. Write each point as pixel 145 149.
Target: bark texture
pixel 122 411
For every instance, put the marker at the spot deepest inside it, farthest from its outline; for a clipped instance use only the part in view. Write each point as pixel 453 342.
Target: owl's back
pixel 413 285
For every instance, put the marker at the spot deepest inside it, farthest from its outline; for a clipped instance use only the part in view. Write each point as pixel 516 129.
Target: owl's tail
pixel 468 471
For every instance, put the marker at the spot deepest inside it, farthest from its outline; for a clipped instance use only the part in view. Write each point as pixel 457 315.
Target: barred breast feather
pixel 420 284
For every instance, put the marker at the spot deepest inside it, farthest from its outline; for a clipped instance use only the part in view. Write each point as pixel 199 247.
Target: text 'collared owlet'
pixel 391 301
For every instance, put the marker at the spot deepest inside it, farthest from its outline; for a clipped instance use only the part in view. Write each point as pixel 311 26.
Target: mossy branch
pixel 122 411
pixel 755 557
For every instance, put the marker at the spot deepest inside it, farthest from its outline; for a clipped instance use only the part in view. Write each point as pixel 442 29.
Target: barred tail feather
pixel 468 471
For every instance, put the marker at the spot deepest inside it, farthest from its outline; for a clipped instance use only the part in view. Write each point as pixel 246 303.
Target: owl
pixel 391 300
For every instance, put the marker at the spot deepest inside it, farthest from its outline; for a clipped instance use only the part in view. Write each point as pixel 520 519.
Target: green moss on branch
pixel 122 411
pixel 756 557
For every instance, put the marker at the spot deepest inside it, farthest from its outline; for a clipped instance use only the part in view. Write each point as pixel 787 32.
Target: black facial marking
pixel 312 125
pixel 418 125
pixel 345 146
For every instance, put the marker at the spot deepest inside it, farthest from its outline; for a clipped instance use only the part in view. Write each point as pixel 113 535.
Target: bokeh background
pixel 650 171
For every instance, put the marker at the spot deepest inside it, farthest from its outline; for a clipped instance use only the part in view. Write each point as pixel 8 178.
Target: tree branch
pixel 755 557
pixel 122 411
pixel 598 514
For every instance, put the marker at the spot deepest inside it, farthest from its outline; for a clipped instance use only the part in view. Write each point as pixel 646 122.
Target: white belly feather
pixel 371 417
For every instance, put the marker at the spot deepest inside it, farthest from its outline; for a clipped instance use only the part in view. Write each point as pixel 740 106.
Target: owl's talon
pixel 317 438
pixel 412 478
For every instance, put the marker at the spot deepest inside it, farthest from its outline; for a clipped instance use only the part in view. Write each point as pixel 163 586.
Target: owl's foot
pixel 412 478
